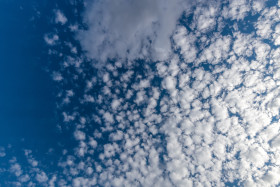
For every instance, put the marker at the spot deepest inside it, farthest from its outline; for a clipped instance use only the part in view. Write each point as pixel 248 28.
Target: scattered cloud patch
pixel 51 39
pixel 60 17
pixel 203 114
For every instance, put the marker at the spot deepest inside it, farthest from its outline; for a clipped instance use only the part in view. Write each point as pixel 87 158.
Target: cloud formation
pixel 130 29
pixel 205 116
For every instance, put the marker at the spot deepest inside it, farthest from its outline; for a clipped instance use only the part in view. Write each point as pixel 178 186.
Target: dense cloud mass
pixel 204 112
pixel 131 29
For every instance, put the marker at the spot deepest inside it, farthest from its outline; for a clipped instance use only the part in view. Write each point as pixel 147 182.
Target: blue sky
pixel 27 96
pixel 139 93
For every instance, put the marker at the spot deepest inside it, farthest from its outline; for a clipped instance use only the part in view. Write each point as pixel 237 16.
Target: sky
pixel 139 93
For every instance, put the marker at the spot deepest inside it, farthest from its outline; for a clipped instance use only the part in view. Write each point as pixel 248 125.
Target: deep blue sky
pixel 27 92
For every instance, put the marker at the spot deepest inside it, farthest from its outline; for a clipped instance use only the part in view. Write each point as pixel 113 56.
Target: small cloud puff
pixel 60 17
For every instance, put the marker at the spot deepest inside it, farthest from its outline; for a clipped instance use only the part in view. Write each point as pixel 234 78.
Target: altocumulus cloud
pixel 204 113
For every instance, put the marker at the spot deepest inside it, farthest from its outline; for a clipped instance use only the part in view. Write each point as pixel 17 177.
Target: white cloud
pixel 205 17
pixel 51 39
pixel 60 17
pixel 203 117
pixel 186 43
pixel 217 51
pixel 258 5
pixel 57 76
pixel 237 9
pixel 130 29
pixel 169 83
pixel 79 135
pixel 24 178
pixel 16 169
pixel 67 117
pixel 41 177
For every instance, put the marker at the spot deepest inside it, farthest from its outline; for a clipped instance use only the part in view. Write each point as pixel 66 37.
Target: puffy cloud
pixel 206 116
pixel 51 39
pixel 41 177
pixel 60 17
pixel 186 43
pixel 79 135
pixel 237 9
pixel 57 76
pixel 16 169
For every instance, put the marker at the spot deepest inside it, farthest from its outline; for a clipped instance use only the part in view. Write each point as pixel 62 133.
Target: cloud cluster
pixel 205 116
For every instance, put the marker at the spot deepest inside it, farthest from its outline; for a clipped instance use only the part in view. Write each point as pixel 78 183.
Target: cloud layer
pixel 130 29
pixel 206 115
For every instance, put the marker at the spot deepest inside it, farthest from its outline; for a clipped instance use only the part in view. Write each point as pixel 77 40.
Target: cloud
pixel 198 126
pixel 60 17
pixel 2 152
pixel 51 39
pixel 205 116
pixel 16 169
pixel 130 29
pixel 41 177
pixel 57 76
